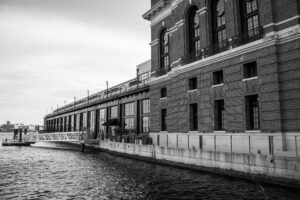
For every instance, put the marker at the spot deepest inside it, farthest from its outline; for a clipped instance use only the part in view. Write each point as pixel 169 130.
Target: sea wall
pixel 267 168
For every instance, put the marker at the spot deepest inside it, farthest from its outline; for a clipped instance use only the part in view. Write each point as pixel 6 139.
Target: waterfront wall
pixel 269 168
pixel 279 144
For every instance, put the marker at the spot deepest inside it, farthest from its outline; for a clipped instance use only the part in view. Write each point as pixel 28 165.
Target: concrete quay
pixel 257 167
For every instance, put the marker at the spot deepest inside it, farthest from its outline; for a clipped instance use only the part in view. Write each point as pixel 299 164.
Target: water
pixel 37 173
pixel 6 135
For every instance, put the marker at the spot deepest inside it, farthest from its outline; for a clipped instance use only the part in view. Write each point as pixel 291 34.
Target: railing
pixel 224 45
pixel 56 137
pixel 115 91
pixel 162 71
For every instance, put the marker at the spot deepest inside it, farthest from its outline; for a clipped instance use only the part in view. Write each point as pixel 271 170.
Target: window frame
pixel 194 32
pixel 164 50
pixel 163 92
pixel 252 116
pixel 192 84
pixel 193 117
pixel 218 77
pixel 245 16
pixel 219 30
pixel 219 118
pixel 163 120
pixel 250 70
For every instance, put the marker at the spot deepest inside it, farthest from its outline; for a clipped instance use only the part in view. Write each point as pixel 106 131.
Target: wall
pixel 282 170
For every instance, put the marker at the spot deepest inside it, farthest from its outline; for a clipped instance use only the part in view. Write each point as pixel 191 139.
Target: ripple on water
pixel 32 173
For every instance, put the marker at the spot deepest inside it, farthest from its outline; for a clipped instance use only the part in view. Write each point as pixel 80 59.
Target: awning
pixel 111 122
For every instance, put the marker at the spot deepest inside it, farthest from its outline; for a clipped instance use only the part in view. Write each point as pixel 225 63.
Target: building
pixel 226 74
pixel 119 110
pixel 8 127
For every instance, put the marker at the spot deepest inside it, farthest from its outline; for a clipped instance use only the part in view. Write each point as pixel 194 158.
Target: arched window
pixel 250 18
pixel 219 23
pixel 194 32
pixel 164 50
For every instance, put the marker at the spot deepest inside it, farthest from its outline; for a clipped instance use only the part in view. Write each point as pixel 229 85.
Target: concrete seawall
pixel 266 168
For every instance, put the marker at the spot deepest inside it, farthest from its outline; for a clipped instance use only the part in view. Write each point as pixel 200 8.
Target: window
pixel 102 120
pixel 164 50
pixel 193 117
pixel 252 113
pixel 193 83
pixel 146 106
pixel 113 112
pixel 194 32
pixel 81 122
pixel 129 109
pixel 65 124
pixel 92 122
pixel 250 70
pixel 146 124
pixel 219 115
pixel 218 77
pixel 163 92
pixel 97 124
pixel 70 123
pixel 129 123
pixel 75 123
pixel 250 18
pixel 163 119
pixel 219 23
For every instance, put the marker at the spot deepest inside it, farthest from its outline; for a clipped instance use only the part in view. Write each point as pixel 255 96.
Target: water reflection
pixel 34 173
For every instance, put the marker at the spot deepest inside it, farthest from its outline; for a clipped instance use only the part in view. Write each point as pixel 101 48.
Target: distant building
pixel 8 127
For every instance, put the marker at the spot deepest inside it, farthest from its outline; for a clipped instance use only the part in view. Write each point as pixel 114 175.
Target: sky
pixel 53 50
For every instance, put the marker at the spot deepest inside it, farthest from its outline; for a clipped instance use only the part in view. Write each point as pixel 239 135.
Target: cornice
pixel 155 9
pixel 270 39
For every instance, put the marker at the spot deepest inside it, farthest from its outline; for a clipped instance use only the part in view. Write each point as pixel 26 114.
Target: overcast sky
pixel 53 50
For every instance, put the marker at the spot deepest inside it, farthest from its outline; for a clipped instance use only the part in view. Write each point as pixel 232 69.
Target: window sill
pixel 253 131
pixel 251 78
pixel 194 90
pixel 193 132
pixel 163 98
pixel 219 85
pixel 219 131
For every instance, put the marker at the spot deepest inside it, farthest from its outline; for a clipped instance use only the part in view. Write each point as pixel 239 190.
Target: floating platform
pixel 16 143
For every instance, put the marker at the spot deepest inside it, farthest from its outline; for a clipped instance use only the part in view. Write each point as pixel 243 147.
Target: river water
pixel 39 173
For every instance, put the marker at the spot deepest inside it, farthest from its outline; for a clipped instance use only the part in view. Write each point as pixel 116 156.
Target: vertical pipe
pixel 296 146
pixel 231 143
pixel 167 140
pixel 188 141
pixel 249 140
pixel 177 141
pixel 215 142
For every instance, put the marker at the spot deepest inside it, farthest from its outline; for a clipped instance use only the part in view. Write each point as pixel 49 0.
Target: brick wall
pixel 270 11
pixel 277 87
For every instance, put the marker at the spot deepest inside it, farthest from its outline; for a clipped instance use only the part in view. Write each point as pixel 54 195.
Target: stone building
pixel 123 108
pixel 226 74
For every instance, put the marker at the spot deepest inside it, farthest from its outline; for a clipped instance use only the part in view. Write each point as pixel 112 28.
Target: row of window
pixel 129 109
pixel 249 71
pixel 251 110
pixel 94 123
pixel 94 120
pixel 249 20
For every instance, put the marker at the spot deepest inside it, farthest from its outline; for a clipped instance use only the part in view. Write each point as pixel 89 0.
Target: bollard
pixel 82 147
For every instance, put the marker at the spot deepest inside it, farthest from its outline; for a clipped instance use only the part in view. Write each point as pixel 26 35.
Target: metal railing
pixel 121 89
pixel 238 40
pixel 162 71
